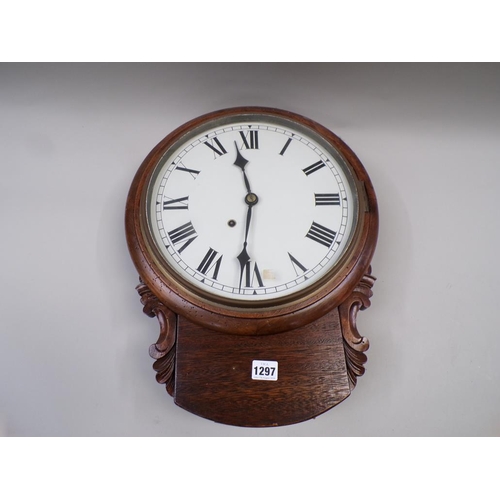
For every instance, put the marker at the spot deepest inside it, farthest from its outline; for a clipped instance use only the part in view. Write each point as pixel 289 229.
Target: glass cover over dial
pixel 251 208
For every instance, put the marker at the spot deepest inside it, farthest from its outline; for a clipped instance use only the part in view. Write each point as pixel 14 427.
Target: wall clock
pixel 252 230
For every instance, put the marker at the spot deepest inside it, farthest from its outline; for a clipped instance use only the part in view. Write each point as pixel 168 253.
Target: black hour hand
pixel 240 161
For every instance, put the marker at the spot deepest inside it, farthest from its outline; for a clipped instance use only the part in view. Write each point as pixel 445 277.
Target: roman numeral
pixel 184 234
pixel 313 168
pixel 191 171
pixel 250 139
pixel 208 264
pixel 296 264
pixel 218 149
pixel 177 204
pixel 282 152
pixel 327 198
pixel 321 234
pixel 251 277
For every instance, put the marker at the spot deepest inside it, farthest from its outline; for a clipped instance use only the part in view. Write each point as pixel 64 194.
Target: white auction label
pixel 264 370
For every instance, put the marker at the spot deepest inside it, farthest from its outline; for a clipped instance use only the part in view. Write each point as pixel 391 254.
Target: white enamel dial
pixel 251 209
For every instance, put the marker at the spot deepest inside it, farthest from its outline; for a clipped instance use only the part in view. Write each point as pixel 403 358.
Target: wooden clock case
pixel 205 349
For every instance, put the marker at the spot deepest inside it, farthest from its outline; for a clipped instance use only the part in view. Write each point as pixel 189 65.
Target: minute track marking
pixel 276 275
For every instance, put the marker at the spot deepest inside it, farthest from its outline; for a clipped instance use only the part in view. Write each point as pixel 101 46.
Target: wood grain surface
pixel 214 373
pixel 286 314
pixel 206 345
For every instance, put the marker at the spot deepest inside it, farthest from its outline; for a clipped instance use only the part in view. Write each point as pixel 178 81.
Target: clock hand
pixel 241 162
pixel 243 257
pixel 250 199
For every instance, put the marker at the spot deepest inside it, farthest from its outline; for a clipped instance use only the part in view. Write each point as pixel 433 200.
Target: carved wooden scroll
pixel 163 351
pixel 354 344
pixel 206 352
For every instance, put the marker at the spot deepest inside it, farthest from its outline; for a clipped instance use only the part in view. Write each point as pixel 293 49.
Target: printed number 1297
pixel 264 370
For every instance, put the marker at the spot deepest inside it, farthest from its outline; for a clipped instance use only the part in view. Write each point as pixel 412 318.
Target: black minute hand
pixel 243 257
pixel 250 199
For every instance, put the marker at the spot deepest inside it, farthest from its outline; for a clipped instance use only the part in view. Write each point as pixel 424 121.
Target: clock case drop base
pixel 209 373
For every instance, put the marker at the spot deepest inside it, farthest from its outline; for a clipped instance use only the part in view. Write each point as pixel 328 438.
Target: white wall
pixel 74 341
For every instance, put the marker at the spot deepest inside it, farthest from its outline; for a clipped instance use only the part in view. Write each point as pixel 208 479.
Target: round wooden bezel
pixel 237 318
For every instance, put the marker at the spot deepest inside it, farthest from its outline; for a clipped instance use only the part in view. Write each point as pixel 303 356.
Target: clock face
pixel 251 208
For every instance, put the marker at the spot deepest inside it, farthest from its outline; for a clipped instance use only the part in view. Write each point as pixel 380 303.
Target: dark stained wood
pixel 164 348
pixel 205 349
pixel 214 373
pixel 208 372
pixel 321 299
pixel 354 344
